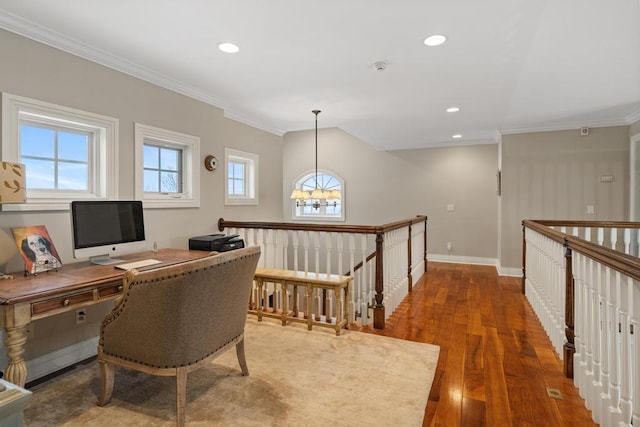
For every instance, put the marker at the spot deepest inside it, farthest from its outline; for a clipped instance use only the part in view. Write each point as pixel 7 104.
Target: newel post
pixel 424 253
pixel 569 346
pixel 524 258
pixel 378 310
pixel 409 267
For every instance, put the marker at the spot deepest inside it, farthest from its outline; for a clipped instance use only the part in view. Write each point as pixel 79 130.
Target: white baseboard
pixel 455 259
pixel 509 271
pixel 59 359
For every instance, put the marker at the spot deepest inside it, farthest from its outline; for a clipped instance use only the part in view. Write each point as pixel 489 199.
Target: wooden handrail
pixel 626 264
pixel 359 265
pixel 572 223
pixel 329 228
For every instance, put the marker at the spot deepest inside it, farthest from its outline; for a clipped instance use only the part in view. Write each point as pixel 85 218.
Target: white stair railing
pixel 601 340
pixel 341 250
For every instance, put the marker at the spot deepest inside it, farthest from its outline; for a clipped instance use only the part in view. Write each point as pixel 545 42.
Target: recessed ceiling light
pixel 435 40
pixel 228 47
pixel 453 109
pixel 457 136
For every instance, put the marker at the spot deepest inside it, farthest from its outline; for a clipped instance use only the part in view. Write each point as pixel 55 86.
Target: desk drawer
pixel 58 303
pixel 110 291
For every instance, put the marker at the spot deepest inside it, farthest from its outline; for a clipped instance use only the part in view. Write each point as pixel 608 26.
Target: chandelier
pixel 318 197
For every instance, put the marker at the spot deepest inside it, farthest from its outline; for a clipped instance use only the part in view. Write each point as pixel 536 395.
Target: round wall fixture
pixel 210 162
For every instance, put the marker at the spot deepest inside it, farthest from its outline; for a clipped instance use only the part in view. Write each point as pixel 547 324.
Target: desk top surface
pixel 83 275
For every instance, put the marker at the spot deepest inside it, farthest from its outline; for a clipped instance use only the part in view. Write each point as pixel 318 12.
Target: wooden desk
pixel 341 285
pixel 74 286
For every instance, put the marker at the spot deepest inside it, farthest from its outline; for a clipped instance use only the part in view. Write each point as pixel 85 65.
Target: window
pixel 241 172
pixel 68 154
pixel 166 168
pixel 332 210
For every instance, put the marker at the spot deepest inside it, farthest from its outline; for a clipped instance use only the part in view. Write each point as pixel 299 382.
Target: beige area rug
pixel 296 377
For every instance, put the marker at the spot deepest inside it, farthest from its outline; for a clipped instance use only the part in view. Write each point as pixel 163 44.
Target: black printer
pixel 216 242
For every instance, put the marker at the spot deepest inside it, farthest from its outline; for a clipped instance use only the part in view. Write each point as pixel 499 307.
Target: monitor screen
pixel 105 228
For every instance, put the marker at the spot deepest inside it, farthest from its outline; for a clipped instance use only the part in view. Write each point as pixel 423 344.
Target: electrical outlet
pixel 449 246
pixel 81 316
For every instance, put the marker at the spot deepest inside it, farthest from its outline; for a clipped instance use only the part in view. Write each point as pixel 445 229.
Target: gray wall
pixel 555 175
pixel 33 70
pixel 37 71
pixel 388 186
pixel 634 129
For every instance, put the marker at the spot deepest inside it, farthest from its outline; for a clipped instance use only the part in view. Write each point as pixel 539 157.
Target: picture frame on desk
pixel 36 248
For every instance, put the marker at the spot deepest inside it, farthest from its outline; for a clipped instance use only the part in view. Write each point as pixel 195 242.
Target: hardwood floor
pixel 496 362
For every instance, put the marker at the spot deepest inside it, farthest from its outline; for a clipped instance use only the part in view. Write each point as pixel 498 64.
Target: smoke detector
pixel 380 65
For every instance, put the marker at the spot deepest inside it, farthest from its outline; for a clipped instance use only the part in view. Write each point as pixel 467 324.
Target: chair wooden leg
pixel 241 358
pixel 181 396
pixel 106 382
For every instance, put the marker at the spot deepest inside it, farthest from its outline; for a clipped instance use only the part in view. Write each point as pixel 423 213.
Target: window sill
pixel 170 203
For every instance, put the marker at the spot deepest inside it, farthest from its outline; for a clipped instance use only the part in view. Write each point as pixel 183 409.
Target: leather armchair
pixel 173 319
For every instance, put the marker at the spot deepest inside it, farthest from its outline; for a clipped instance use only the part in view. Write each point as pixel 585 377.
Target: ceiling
pixel 510 65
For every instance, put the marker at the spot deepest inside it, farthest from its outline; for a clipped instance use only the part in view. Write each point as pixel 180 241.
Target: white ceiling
pixel 511 65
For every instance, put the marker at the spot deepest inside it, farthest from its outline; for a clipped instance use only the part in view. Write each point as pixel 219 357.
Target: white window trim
pixel 105 160
pixel 294 210
pixel 252 174
pixel 190 196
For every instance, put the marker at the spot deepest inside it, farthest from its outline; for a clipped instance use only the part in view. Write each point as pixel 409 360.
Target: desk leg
pixel 349 307
pixel 309 307
pixel 17 319
pixel 284 288
pixel 339 310
pixel 295 300
pixel 259 285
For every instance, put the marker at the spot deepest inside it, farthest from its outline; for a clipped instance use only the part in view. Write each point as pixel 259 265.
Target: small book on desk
pixel 137 264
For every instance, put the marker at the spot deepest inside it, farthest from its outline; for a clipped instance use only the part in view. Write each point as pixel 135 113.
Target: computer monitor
pixel 103 229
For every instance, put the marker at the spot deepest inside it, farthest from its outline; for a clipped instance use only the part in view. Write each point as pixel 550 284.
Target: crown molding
pixel 38 33
pixel 569 126
pixel 633 117
pixel 232 115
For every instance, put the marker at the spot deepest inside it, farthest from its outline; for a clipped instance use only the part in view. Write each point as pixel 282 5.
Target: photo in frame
pixel 36 248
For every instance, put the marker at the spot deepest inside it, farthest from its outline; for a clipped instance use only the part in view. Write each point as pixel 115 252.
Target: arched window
pixel 330 209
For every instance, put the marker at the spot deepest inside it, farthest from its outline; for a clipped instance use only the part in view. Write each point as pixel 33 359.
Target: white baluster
pixel 627 241
pixel 626 356
pixel 614 238
pixel 340 244
pixel 635 360
pixel 329 248
pixel 365 287
pixel 305 245
pixel 285 249
pixel 296 244
pixel 601 359
pixel 356 294
pixel 316 248
pixel 613 413
pixel 578 330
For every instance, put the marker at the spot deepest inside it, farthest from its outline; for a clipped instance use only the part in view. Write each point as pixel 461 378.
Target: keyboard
pixel 137 264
